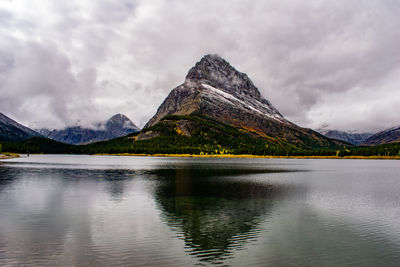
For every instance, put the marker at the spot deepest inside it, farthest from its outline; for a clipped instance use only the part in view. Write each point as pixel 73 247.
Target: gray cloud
pixel 319 62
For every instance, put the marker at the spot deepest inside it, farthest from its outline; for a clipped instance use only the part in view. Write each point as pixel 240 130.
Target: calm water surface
pixel 133 211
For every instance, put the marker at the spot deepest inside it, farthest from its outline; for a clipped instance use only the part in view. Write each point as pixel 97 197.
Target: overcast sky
pixel 321 63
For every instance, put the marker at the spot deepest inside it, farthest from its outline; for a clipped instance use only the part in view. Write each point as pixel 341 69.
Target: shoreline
pixel 9 156
pixel 248 156
pixel 6 156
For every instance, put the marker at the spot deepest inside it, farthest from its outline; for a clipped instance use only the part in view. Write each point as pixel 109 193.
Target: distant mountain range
pixel 352 138
pixel 391 135
pixel 117 126
pixel 387 136
pixel 11 130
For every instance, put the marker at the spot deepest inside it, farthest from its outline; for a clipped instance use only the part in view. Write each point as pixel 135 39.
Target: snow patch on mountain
pixel 248 104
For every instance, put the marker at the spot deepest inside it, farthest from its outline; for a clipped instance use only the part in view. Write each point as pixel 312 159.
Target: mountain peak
pixel 119 116
pixel 216 89
pixel 215 58
pixel 116 126
pixel 217 72
pixel 120 121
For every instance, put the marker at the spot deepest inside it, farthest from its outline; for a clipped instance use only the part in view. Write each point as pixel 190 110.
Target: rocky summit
pixel 215 89
pixel 120 125
pixel 117 126
pixel 210 87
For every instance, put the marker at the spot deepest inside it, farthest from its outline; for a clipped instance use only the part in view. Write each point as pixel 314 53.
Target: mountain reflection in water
pixel 215 211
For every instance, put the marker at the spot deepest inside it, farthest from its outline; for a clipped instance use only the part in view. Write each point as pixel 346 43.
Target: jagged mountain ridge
pixel 387 136
pixel 11 130
pixel 117 126
pixel 352 138
pixel 215 89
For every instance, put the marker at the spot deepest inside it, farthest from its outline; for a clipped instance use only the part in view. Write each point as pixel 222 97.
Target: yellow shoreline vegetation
pixel 9 156
pixel 250 156
pixel 15 155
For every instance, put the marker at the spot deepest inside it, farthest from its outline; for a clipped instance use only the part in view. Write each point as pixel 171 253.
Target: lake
pixel 155 211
